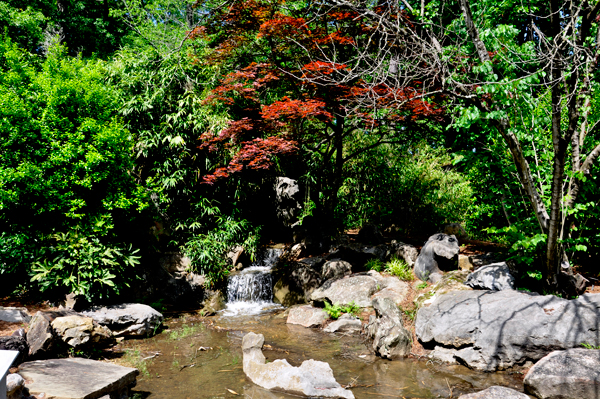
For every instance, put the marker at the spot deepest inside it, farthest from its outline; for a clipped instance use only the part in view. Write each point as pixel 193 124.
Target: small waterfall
pixel 251 290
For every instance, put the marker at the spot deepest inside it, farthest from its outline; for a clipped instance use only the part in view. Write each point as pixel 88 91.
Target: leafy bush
pixel 83 265
pixel 401 269
pixel 335 310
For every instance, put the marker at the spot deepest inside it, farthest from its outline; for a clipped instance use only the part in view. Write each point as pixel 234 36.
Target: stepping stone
pixel 77 378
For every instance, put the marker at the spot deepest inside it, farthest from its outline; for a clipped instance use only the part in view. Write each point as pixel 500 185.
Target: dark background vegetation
pixel 136 128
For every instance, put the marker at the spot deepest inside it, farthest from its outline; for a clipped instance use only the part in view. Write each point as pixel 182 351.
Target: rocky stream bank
pixel 463 330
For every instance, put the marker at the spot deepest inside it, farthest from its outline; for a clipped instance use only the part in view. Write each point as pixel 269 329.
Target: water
pixel 212 373
pixel 251 290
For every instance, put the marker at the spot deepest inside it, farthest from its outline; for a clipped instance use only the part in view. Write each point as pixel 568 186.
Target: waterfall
pixel 251 290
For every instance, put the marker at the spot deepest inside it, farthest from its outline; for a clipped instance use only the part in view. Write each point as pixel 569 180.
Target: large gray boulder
pixel 307 316
pixel 494 277
pixel 390 339
pixel 569 374
pixel 129 319
pixel 312 378
pixel 491 330
pixel 439 252
pixel 495 392
pixel 357 289
pixel 336 269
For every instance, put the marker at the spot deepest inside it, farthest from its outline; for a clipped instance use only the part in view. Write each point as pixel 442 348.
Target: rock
pixel 74 302
pixel 77 378
pixel 287 200
pixel 494 277
pixel 370 234
pixel 346 323
pixel 15 343
pixel 14 315
pixel 306 279
pixel 405 251
pixel 496 392
pixel 455 229
pixel 336 269
pixel 41 336
pixel 464 263
pixel 14 386
pixel 213 303
pixel 312 378
pixel 357 289
pixel 129 319
pixel 451 281
pixel 568 374
pixel 483 259
pixel 238 258
pixel 358 255
pixel 77 331
pixel 174 262
pixel 316 263
pixel 19 333
pixel 307 316
pixel 390 339
pixel 170 279
pixel 294 282
pixel 571 284
pixel 440 251
pixel 494 330
pixel 390 287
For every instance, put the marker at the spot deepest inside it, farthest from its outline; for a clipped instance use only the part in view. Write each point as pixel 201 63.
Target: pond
pixel 202 358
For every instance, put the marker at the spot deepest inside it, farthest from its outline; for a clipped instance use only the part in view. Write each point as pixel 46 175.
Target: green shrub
pixel 335 311
pixel 401 269
pixel 83 265
pixel 374 264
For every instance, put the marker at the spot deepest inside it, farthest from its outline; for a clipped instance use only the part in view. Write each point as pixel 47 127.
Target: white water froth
pixel 250 291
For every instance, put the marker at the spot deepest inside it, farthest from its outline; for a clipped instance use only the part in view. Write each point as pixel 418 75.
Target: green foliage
pixel 65 160
pixel 83 265
pixel 23 26
pixel 422 286
pixel 401 269
pixel 410 313
pixel 409 187
pixel 374 264
pixel 590 346
pixel 208 252
pixel 335 310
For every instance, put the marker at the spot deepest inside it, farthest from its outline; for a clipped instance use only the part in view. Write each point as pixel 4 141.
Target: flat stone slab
pixel 14 315
pixel 76 378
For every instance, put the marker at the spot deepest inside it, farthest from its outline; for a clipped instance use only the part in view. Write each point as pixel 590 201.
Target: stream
pixel 202 358
pixel 198 357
